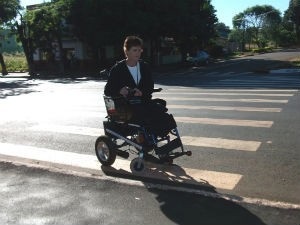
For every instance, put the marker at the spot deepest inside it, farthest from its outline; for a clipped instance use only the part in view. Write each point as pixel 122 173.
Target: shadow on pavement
pixel 31 195
pixel 15 88
pixel 201 78
pixel 165 175
pixel 188 208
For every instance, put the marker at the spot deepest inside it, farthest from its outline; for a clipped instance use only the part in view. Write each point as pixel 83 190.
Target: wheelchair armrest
pixel 157 89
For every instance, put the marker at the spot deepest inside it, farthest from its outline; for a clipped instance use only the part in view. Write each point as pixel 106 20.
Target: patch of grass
pixel 234 55
pixel 15 62
pixel 262 50
pixel 296 61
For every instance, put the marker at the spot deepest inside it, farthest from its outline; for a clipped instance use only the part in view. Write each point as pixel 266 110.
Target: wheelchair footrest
pixel 122 154
pixel 165 149
pixel 178 154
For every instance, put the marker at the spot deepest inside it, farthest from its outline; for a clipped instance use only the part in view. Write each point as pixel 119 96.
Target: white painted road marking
pixel 89 131
pixel 226 108
pixel 230 90
pixel 225 122
pixel 289 70
pixel 228 94
pixel 96 174
pixel 227 99
pixel 174 173
pixel 221 143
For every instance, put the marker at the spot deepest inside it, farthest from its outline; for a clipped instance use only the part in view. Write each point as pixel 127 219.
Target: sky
pixel 31 2
pixel 225 9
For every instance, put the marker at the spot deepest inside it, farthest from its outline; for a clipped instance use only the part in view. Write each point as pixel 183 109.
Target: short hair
pixel 132 41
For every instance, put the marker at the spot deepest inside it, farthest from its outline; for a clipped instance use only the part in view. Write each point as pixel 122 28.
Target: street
pixel 240 122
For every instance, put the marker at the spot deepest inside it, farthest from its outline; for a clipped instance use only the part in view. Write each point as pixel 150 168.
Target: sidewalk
pixel 164 69
pixel 156 70
pixel 15 75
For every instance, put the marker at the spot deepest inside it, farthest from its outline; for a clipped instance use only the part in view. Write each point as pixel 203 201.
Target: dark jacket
pixel 120 77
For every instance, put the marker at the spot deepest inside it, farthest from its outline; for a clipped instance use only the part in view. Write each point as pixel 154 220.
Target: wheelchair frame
pixel 120 134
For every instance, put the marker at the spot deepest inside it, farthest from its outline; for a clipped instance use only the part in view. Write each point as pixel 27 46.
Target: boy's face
pixel 134 53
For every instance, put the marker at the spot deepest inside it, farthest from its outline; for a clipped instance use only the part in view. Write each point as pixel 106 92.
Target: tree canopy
pixel 99 23
pixel 292 16
pixel 259 22
pixel 8 11
pixel 107 22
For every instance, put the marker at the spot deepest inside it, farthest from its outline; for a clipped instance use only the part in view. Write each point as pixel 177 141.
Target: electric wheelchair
pixel 123 136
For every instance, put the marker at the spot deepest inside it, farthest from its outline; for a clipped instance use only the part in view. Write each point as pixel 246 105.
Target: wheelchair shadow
pixel 176 192
pixel 163 174
pixel 188 208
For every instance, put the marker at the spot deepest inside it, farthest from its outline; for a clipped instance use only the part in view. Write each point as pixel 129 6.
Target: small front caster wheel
pixel 137 165
pixel 105 150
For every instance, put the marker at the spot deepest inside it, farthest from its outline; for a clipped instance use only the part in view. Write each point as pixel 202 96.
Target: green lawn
pixel 296 61
pixel 15 62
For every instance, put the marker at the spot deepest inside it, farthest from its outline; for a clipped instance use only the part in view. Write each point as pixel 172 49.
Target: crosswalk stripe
pixel 227 99
pixel 225 122
pixel 230 90
pixel 219 180
pixel 230 94
pixel 266 79
pixel 259 82
pixel 225 108
pixel 169 173
pixel 221 143
pixel 187 140
pixel 284 71
pixel 227 73
pixel 89 131
pixel 211 73
pixel 245 73
pixel 245 85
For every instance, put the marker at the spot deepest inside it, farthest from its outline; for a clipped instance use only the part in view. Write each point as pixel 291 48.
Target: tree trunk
pixel 4 71
pixel 27 47
pixel 184 48
pixel 62 56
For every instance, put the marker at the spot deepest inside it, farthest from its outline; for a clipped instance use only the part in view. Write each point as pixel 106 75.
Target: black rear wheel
pixel 105 150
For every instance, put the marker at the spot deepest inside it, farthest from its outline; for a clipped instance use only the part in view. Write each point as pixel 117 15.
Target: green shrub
pixel 15 62
pixel 262 50
pixel 215 50
pixel 296 62
pixel 268 49
pixel 257 50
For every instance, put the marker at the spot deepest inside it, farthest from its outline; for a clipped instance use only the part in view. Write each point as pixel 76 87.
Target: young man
pixel 131 73
pixel 134 74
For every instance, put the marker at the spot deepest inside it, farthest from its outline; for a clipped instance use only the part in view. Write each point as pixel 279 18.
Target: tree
pixel 8 11
pixel 287 33
pixel 258 21
pixel 95 22
pixel 292 15
pixel 198 25
pixel 222 30
pixel 46 25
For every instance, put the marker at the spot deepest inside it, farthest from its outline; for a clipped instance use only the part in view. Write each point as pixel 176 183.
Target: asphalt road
pixel 239 118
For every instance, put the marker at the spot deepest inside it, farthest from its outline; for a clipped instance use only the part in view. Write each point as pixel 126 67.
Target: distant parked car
pixel 200 58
